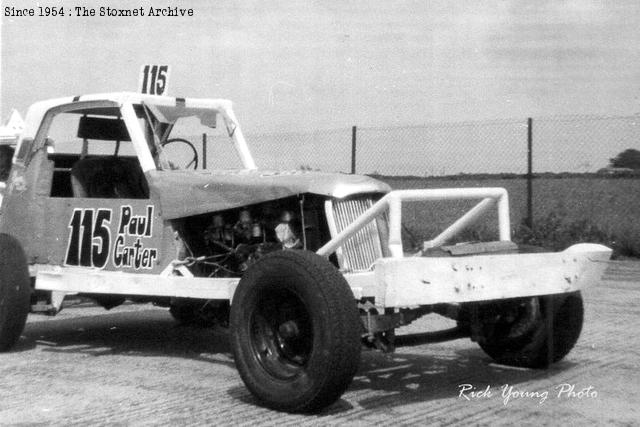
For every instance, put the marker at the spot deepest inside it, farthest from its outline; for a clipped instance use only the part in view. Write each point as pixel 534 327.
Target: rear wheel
pixel 295 331
pixel 531 332
pixel 15 291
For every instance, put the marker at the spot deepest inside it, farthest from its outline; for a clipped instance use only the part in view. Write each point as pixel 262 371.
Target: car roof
pixel 37 110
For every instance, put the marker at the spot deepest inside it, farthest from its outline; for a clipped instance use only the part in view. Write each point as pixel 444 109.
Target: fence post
pixel 353 150
pixel 529 221
pixel 204 151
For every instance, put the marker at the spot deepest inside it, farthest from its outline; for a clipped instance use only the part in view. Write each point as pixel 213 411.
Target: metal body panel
pixel 186 193
pixel 23 208
pixel 129 231
pixel 45 225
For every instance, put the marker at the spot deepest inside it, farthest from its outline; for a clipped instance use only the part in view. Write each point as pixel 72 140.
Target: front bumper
pixel 406 282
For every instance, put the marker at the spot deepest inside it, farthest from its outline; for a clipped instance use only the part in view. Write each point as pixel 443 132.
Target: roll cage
pixel 148 121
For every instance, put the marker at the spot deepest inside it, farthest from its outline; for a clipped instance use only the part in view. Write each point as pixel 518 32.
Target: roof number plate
pixel 154 79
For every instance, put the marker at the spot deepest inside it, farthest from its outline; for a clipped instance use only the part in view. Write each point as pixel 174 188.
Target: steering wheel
pixel 194 159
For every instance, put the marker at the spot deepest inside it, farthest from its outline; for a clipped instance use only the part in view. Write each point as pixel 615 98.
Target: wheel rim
pixel 519 320
pixel 281 333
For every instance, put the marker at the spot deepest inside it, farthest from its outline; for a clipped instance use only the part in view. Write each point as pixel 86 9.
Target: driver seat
pixel 109 178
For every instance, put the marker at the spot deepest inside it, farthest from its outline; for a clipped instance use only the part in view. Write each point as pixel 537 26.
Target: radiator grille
pixel 360 251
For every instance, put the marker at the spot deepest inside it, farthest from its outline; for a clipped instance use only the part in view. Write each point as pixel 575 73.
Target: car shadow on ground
pixel 383 380
pixel 144 333
pixel 413 376
pixel 387 381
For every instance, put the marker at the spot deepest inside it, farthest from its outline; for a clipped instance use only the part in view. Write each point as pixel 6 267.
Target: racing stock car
pixel 105 200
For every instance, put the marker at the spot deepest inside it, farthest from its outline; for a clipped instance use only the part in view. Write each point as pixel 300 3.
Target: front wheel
pixel 295 331
pixel 531 332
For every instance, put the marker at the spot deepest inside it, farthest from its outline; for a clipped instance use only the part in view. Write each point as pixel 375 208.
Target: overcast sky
pixel 299 66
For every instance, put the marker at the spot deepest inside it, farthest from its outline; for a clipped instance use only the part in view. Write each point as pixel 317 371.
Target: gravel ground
pixel 133 366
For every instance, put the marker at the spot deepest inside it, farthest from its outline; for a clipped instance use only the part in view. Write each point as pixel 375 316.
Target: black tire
pixel 532 332
pixel 15 291
pixel 295 331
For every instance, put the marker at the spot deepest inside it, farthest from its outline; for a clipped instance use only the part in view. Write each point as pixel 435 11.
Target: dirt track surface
pixel 134 366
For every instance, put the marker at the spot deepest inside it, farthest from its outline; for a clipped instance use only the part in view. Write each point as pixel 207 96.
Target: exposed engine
pixel 225 244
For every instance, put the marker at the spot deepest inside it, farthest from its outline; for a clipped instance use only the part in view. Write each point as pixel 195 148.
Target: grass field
pixel 566 210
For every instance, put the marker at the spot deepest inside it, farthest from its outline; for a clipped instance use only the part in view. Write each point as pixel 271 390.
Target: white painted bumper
pixel 402 282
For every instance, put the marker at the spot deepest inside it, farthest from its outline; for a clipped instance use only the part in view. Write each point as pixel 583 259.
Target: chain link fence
pixel 561 144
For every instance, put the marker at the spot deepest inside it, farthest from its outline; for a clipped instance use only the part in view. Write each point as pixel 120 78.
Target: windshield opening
pixel 182 138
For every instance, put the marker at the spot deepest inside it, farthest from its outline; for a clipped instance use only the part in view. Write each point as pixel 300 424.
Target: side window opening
pixel 93 157
pixel 6 154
